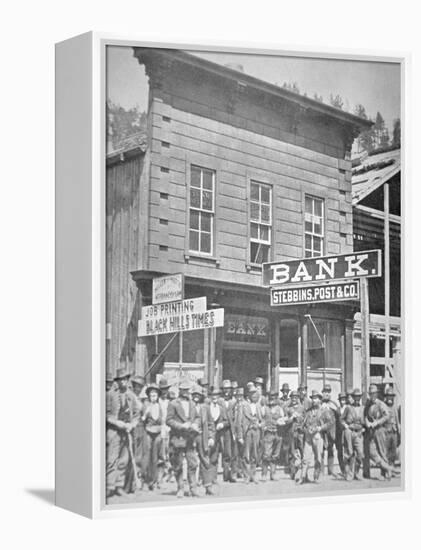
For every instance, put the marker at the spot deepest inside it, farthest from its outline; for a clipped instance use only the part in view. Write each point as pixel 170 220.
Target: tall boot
pixel 253 473
pixel 180 484
pixel 317 470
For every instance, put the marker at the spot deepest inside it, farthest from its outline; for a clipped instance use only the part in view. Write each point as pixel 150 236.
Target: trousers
pixel 377 449
pixel 391 444
pixel 153 457
pixel 177 454
pixel 313 449
pixel 117 459
pixel 251 451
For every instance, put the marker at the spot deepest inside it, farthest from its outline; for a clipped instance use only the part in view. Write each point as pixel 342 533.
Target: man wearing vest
pixel 352 422
pixel 205 439
pixel 376 414
pixel 273 419
pixel 183 421
pixel 294 435
pixel 249 421
pixel 229 455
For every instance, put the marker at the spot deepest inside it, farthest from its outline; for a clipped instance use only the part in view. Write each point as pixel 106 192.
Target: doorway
pixel 244 365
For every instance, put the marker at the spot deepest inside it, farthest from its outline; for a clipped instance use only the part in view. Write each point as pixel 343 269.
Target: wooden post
pixel 386 279
pixel 277 356
pixel 365 336
pixel 304 354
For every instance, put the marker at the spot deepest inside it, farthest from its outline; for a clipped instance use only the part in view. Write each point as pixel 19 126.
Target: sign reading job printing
pixel 169 288
pixel 331 292
pixel 179 316
pixel 322 269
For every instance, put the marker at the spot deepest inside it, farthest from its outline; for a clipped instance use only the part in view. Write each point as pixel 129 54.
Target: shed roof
pixel 373 171
pixel 132 145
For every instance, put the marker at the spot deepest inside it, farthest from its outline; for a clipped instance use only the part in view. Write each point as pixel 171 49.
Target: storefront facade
pixel 236 172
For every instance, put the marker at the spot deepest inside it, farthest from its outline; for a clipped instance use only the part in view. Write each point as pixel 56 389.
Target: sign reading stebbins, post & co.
pixel 330 292
pixel 322 269
pixel 169 288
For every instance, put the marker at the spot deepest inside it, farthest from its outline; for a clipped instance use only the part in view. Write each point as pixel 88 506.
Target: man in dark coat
pixel 205 439
pixel 183 421
pixel 392 428
pixel 352 422
pixel 229 448
pixel 122 417
pixel 273 419
pixel 330 435
pixel 376 414
pixel 247 429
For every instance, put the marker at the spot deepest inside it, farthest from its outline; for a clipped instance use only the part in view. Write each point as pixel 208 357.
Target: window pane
pixel 254 250
pixel 207 179
pixel 254 192
pixel 206 222
pixel 194 219
pixel 205 242
pixel 318 208
pixel 254 211
pixel 265 194
pixel 317 226
pixel 308 227
pixel 254 231
pixel 264 254
pixel 309 205
pixel 308 242
pixel 317 244
pixel 265 213
pixel 194 240
pixel 194 197
pixel 195 176
pixel 207 200
pixel 264 233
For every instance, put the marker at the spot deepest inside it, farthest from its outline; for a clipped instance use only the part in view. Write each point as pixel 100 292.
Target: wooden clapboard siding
pixel 125 252
pixel 204 133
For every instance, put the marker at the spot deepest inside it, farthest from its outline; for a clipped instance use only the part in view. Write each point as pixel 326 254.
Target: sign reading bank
pixel 323 269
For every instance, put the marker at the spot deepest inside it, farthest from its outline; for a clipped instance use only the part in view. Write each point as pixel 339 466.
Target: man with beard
pixel 165 467
pixel 205 439
pixel 273 419
pixel 376 414
pixel 317 423
pixel 122 418
pixel 294 435
pixel 392 428
pixel 284 398
pixel 220 424
pixel 229 448
pixel 248 425
pixel 352 422
pixel 330 435
pixel 183 421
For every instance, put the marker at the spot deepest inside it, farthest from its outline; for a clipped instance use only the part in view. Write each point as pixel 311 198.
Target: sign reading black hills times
pixel 322 269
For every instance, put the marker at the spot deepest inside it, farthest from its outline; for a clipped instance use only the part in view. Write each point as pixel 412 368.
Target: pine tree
pixel 396 136
pixel 336 101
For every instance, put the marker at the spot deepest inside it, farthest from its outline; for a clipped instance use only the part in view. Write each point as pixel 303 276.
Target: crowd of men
pixel 152 431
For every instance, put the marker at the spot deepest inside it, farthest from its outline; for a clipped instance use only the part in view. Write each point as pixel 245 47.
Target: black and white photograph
pixel 253 299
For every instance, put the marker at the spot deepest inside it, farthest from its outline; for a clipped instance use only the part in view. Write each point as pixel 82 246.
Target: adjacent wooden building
pixel 233 172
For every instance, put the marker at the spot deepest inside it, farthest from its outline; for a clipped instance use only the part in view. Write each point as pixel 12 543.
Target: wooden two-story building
pixel 233 172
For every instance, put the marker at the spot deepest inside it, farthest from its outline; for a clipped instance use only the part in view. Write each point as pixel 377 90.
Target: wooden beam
pixel 386 275
pixel 365 336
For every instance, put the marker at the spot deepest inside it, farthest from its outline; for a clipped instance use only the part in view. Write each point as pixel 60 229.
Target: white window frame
pixel 260 222
pixel 310 217
pixel 202 210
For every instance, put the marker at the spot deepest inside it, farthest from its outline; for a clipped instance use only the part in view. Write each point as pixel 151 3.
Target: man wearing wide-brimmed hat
pixel 273 418
pixel 316 423
pixel 183 421
pixel 375 417
pixel 392 427
pixel 294 435
pixel 122 418
pixel 165 468
pixel 220 425
pixel 330 435
pixel 247 429
pixel 352 422
pixel 205 439
pixel 153 418
pixel 229 454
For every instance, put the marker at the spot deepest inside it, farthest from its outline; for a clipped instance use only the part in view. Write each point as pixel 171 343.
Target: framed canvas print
pixel 229 275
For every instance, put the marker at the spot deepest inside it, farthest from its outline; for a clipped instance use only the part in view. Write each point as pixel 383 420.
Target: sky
pixel 376 85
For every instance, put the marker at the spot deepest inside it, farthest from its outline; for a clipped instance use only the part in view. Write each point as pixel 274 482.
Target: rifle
pixel 137 482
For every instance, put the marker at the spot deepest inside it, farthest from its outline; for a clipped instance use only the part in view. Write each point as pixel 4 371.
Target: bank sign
pixel 322 269
pixel 328 292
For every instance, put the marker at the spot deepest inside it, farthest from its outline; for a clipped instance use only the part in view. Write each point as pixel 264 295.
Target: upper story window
pixel 202 210
pixel 314 226
pixel 260 222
